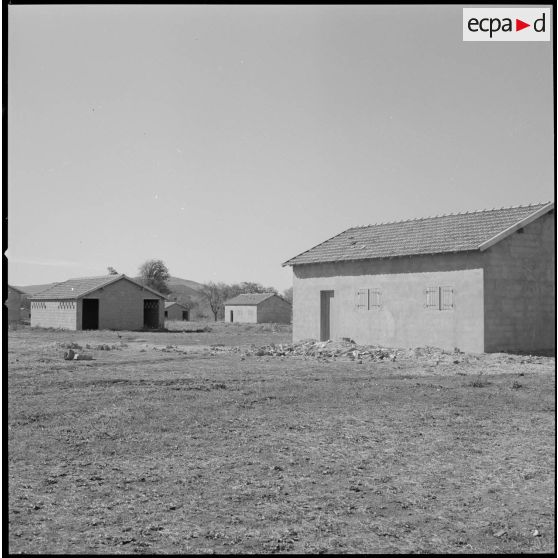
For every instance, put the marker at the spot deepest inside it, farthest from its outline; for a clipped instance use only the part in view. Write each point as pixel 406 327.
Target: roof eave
pixel 388 257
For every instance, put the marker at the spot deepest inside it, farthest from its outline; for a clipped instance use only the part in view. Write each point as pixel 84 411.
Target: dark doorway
pixel 90 313
pixel 232 316
pixel 151 313
pixel 325 314
pixel 185 315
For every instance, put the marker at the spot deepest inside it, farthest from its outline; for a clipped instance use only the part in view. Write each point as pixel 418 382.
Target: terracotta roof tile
pixel 249 299
pixel 432 235
pixel 171 302
pixel 76 288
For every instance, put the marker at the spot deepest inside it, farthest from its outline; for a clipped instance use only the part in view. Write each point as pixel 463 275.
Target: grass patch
pixel 164 452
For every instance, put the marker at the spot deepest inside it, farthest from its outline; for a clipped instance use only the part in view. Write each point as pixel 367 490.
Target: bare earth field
pixel 164 444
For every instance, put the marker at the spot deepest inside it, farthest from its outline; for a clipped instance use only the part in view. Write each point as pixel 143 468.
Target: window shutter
pixel 431 297
pixel 375 298
pixel 446 296
pixel 361 302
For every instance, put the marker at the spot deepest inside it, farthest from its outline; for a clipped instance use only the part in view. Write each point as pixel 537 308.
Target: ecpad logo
pixel 506 24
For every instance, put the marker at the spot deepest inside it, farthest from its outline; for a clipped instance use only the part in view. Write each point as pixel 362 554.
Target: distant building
pixel 482 281
pixel 107 302
pixel 176 311
pixel 258 308
pixel 14 303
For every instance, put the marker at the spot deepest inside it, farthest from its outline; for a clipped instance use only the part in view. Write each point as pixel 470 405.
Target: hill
pixel 175 281
pixel 184 287
pixel 32 290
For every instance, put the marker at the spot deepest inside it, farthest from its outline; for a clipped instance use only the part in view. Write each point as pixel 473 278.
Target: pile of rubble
pixel 344 350
pixel 347 349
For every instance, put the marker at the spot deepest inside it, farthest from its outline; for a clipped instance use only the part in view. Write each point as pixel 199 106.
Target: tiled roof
pixel 170 303
pixel 249 299
pixel 432 235
pixel 17 289
pixel 76 288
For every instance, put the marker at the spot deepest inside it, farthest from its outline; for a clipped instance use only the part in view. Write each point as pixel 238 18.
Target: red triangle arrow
pixel 519 25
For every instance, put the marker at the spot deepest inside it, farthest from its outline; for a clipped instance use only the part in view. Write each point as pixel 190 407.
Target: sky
pixel 226 139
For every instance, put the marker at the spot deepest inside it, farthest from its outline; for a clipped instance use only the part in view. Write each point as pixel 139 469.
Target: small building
pixel 482 281
pixel 106 302
pixel 15 305
pixel 258 308
pixel 176 311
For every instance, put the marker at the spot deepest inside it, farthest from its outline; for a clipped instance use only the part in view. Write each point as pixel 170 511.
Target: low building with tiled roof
pixel 105 302
pixel 258 308
pixel 176 311
pixel 479 281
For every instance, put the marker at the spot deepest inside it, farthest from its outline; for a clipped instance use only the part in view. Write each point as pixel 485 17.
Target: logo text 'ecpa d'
pixel 506 24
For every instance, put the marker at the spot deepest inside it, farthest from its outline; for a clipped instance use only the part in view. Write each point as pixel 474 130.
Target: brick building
pixel 258 308
pixel 482 281
pixel 107 302
pixel 176 311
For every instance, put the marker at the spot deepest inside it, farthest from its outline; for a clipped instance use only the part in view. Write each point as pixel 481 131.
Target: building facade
pixel 14 305
pixel 481 282
pixel 108 302
pixel 176 311
pixel 258 308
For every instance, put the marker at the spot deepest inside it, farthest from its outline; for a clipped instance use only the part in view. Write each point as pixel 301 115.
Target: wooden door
pixel 326 300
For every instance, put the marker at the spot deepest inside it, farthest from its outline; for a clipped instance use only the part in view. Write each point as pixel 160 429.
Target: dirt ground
pixel 177 442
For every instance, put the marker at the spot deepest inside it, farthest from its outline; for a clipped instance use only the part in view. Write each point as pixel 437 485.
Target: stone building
pixel 258 308
pixel 107 302
pixel 176 311
pixel 482 281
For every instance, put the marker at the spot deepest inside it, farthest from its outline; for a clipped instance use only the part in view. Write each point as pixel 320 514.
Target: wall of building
pixel 13 304
pixel 54 313
pixel 242 314
pixel 402 319
pixel 519 284
pixel 121 306
pixel 274 310
pixel 174 312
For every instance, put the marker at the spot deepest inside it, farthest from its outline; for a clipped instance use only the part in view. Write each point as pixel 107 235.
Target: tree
pixel 288 294
pixel 215 294
pixel 247 287
pixel 111 270
pixel 155 274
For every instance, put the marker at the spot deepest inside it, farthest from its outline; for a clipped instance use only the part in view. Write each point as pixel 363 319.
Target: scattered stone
pixel 71 355
pixel 324 350
pixel 70 346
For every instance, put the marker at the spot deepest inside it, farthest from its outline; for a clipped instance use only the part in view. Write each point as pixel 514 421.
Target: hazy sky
pixel 225 140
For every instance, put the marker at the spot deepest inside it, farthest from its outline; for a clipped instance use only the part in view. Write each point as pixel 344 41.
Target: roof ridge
pixel 542 204
pixel 92 277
